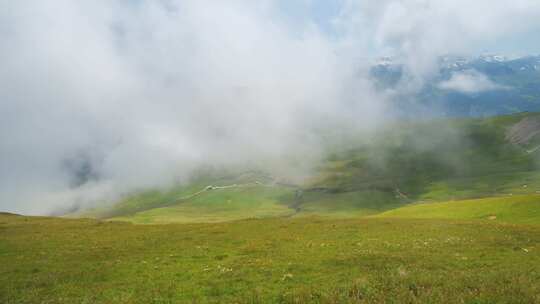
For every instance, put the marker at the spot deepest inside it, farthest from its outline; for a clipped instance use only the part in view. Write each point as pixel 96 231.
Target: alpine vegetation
pixel 273 151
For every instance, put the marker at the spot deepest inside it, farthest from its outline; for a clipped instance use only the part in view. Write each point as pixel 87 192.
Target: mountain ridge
pixel 503 86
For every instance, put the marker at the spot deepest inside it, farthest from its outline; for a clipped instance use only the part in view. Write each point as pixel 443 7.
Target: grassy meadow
pixel 275 260
pixel 518 209
pixel 433 212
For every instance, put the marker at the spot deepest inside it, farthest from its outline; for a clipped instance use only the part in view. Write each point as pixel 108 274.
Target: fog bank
pixel 101 98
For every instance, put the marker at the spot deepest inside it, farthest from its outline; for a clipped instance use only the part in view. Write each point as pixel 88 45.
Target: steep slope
pixel 432 160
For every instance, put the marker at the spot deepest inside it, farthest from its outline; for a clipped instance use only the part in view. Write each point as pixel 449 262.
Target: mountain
pixel 465 87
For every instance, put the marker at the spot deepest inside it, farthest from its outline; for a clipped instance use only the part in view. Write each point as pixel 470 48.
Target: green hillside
pixel 221 205
pixel 405 163
pixel 522 209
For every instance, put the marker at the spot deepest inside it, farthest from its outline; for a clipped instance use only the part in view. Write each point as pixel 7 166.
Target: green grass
pixel 287 260
pixel 221 205
pixel 262 202
pixel 482 186
pixel 523 209
pixel 346 204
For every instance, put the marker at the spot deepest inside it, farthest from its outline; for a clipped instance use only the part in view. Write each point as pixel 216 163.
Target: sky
pixel 99 99
pixel 521 41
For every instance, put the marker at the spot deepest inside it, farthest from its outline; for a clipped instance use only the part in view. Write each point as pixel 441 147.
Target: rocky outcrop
pixel 524 131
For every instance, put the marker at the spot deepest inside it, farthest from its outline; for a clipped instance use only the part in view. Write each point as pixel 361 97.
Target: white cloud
pixel 137 94
pixel 420 30
pixel 133 94
pixel 469 81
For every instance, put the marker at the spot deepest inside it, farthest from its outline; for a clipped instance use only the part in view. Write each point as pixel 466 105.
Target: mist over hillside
pixel 105 98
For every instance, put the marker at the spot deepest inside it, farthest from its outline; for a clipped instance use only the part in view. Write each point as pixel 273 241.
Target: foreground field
pixel 278 260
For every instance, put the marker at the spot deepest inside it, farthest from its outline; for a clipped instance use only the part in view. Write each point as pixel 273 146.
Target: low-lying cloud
pixel 469 81
pixel 100 98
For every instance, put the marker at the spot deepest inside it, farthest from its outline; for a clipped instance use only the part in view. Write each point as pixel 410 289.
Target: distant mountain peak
pixel 482 76
pixel 493 58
